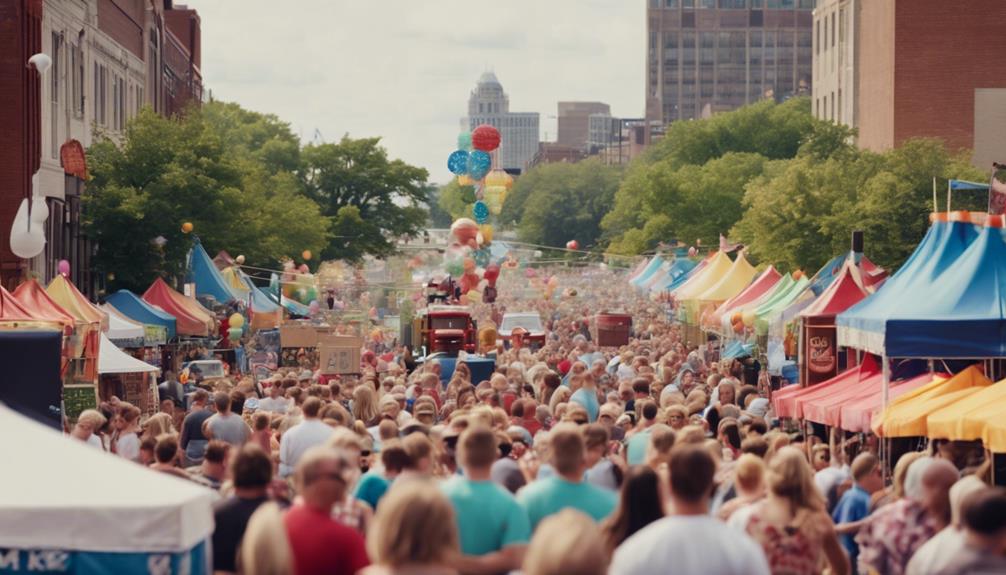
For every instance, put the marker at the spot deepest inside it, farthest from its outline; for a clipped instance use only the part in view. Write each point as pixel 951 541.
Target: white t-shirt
pixel 297 440
pixel 688 544
pixel 128 446
pixel 938 553
pixel 829 477
pixel 278 405
pixel 95 441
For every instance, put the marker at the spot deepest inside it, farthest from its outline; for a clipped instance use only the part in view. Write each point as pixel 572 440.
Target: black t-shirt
pixel 231 517
pixel 192 425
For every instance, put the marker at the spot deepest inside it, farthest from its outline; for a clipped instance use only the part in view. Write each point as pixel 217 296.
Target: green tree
pixel 388 195
pixel 439 217
pixel 456 201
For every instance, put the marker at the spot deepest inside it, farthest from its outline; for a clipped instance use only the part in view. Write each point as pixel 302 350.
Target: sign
pixel 340 354
pixel 821 356
pixel 71 155
pixel 154 335
pixel 77 398
pixel 298 336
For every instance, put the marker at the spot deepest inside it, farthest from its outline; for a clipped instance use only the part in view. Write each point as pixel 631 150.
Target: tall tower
pixel 489 104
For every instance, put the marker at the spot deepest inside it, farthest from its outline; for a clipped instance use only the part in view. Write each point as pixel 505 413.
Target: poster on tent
pixel 16 561
pixel 77 398
pixel 822 355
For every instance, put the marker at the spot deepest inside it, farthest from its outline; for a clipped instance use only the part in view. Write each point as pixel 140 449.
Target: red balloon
pixel 572 245
pixel 491 274
pixel 485 138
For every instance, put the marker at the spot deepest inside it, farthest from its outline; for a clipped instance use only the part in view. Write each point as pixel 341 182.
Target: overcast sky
pixel 403 69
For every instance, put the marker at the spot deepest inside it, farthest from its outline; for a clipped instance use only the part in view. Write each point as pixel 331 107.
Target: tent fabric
pixel 822 408
pixel 907 416
pixel 34 299
pixel 235 281
pixel 736 349
pixel 648 271
pixel 846 290
pixel 827 274
pixel 135 308
pixel 64 293
pixel 111 359
pixel 683 278
pixel 760 286
pixel 204 273
pixel 856 415
pixel 11 309
pixel 718 265
pixel 790 401
pixel 784 284
pixel 737 278
pixel 190 319
pixel 952 422
pixel 864 325
pixel 120 327
pixel 766 312
pixel 678 270
pixel 68 496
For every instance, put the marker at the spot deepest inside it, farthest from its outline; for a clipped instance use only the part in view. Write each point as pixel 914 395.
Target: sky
pixel 403 69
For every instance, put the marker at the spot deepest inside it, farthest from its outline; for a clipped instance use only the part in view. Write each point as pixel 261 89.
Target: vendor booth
pixel 127 377
pixel 191 318
pixel 67 507
pixel 136 309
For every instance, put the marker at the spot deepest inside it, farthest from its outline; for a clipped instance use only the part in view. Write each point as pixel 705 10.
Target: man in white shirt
pixel 303 436
pixel 275 403
pixel 690 540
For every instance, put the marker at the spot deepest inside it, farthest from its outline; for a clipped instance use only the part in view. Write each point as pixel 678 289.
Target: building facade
pixel 834 79
pixel 710 56
pixel 574 122
pixel 929 68
pixel 489 104
pixel 109 59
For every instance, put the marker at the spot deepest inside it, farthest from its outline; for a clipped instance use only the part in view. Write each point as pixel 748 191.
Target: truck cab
pixel 446 329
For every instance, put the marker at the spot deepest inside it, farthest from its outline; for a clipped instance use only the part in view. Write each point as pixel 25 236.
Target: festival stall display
pixel 906 417
pixel 80 383
pixel 122 331
pixel 191 319
pixel 210 284
pixel 734 281
pixel 140 521
pixel 957 421
pixel 159 325
pixel 150 344
pixel 127 377
pixel 762 284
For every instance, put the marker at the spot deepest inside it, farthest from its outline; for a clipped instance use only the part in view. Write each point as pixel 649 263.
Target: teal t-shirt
pixel 635 448
pixel 548 496
pixel 371 488
pixel 488 517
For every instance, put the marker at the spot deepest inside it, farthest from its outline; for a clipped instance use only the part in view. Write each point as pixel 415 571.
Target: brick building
pixel 109 59
pixel 574 122
pixel 919 68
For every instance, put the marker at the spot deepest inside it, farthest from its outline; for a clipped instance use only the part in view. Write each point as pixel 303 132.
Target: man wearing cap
pixel 608 415
pixel 425 412
pixel 275 402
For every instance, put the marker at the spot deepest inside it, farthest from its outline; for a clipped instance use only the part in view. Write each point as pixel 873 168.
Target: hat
pixel 305 375
pixel 426 408
pixel 610 409
pixel 413 426
pixel 564 366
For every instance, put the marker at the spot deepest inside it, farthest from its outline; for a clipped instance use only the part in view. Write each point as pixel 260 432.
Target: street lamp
pixel 26 242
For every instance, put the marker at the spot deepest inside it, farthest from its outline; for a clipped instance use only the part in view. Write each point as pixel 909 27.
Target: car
pixel 528 321
pixel 208 369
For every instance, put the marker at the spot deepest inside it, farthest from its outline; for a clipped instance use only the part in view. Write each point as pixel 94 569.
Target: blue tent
pixel 907 293
pixel 682 278
pixel 135 308
pixel 261 302
pixel 206 276
pixel 736 349
pixel 823 278
pixel 648 271
pixel 678 270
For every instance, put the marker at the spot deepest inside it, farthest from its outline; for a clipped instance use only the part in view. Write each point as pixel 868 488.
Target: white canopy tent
pixel 111 359
pixel 121 327
pixel 63 494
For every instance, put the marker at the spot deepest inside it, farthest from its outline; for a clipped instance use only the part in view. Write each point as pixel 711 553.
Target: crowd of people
pixel 571 459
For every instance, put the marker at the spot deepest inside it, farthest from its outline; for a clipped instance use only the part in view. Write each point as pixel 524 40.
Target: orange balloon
pixel 306 254
pixel 187 227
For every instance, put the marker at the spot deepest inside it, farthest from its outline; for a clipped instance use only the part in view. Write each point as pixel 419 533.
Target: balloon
pixel 26 242
pixel 469 264
pixel 41 61
pixel 187 227
pixel 306 254
pixel 313 307
pixel 479 163
pixel 798 274
pixel 500 178
pixel 491 274
pixel 692 251
pixel 63 267
pixel 234 334
pixel 737 317
pixel 454 268
pixel 458 162
pixel 480 239
pixel 236 320
pixel 530 273
pixel 572 245
pixel 475 296
pixel 481 212
pixel 738 327
pixel 749 318
pixel 481 257
pixel 553 282
pixel 240 260
pixel 487 233
pixel 465 141
pixel 39 210
pixel 494 198
pixel 464 231
pixel 485 138
pixel 465 179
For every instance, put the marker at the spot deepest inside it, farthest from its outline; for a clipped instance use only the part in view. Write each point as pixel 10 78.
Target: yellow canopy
pixel 718 266
pixel 907 417
pixel 955 421
pixel 233 280
pixel 737 278
pixel 64 293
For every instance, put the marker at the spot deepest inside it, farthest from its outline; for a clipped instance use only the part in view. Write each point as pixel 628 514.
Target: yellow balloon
pixel 749 318
pixel 465 180
pixel 474 296
pixel 306 254
pixel 237 320
pixel 487 233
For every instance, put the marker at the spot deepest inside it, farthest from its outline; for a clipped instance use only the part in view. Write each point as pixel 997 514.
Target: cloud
pixel 403 69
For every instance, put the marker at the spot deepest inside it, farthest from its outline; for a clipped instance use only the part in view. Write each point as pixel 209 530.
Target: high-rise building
pixel 489 104
pixel 901 69
pixel 709 56
pixel 574 122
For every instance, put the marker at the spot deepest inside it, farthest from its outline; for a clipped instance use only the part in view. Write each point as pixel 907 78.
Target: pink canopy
pixel 791 403
pixel 857 415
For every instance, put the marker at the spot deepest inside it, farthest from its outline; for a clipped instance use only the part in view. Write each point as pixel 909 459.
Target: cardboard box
pixel 298 336
pixel 340 354
pixel 613 329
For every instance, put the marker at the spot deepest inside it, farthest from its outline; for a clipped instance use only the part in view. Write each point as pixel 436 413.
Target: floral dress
pixel 789 550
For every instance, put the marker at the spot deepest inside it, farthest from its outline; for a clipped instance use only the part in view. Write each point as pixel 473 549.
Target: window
pixel 100 94
pixel 707 52
pixel 787 4
pixel 707 4
pixel 77 80
pixel 832 29
pixel 671 3
pixel 832 106
pixel 733 4
pixel 817 37
pixel 839 104
pixel 806 4
pixel 54 86
pixel 688 3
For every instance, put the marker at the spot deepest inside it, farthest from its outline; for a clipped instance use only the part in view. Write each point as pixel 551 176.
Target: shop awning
pixel 135 308
pixel 955 422
pixel 111 359
pixel 906 417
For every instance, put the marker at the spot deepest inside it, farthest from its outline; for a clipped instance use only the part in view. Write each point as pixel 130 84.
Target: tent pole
pixel 886 378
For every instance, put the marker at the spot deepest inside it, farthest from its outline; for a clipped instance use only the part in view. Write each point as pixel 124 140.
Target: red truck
pixel 446 328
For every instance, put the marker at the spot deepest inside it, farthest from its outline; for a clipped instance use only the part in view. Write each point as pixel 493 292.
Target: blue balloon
pixel 457 162
pixel 481 212
pixel 479 164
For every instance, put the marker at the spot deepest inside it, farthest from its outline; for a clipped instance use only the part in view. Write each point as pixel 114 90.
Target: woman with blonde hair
pixel 265 549
pixel 791 524
pixel 567 543
pixel 560 395
pixel 414 532
pixel 158 425
pixel 365 406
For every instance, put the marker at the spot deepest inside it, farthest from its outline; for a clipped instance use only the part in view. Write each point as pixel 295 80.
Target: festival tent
pixel 190 319
pixel 111 359
pixel 864 325
pixel 737 277
pixel 829 410
pixel 122 331
pixel 33 298
pixel 677 272
pixel 736 349
pixel 94 512
pixel 638 269
pixel 135 308
pixel 223 260
pixel 907 416
pixel 761 285
pixel 648 271
pixel 789 401
pixel 827 274
pixel 856 415
pixel 952 421
pixel 64 293
pixel 681 279
pixel 235 280
pixel 658 277
pixel 766 312
pixel 989 419
pixel 204 273
pixel 784 284
pixel 716 267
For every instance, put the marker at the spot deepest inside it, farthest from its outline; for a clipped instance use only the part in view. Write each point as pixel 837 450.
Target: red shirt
pixel 321 546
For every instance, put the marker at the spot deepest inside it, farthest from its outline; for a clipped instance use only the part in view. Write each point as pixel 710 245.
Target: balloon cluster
pixel 298 283
pixel 236 322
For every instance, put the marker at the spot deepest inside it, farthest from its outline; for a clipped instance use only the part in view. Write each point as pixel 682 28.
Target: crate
pixel 612 329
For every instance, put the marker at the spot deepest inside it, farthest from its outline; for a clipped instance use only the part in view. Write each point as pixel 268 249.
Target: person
pixel 374 484
pixel 601 470
pixel 636 445
pixel 166 456
pixel 126 441
pixel 320 545
pixel 897 530
pixel 193 441
pixel 547 496
pixel 791 524
pixel 749 482
pixel 89 422
pixel 251 470
pixel 213 470
pixel 566 543
pixel 942 550
pixel 586 396
pixel 275 402
pixel 689 540
pixel 640 503
pixel 494 528
pixel 854 506
pixel 265 548
pixel 224 425
pixel 984 550
pixel 414 533
pixel 171 389
pixel 303 436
